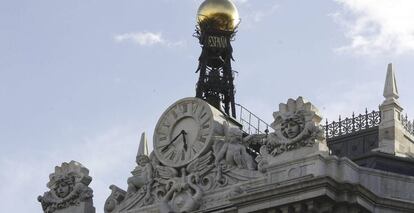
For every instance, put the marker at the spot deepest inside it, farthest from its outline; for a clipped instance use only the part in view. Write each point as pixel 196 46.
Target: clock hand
pixel 172 141
pixel 184 140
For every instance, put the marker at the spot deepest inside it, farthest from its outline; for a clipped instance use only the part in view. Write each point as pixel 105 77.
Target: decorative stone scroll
pixel 69 191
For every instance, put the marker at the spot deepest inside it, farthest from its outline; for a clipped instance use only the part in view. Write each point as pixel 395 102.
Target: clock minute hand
pixel 172 141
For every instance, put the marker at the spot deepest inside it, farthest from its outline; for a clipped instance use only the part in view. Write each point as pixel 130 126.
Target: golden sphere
pixel 218 14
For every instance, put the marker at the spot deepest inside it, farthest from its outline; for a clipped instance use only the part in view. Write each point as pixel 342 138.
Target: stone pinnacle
pixel 390 87
pixel 143 146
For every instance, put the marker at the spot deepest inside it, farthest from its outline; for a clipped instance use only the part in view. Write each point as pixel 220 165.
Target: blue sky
pixel 81 79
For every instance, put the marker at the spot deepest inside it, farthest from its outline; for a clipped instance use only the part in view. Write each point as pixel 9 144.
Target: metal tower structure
pixel 215 33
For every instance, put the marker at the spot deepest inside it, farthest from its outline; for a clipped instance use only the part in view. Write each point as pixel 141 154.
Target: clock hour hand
pixel 172 141
pixel 184 140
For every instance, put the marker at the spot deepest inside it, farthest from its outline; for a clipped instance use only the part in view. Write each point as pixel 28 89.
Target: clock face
pixel 184 132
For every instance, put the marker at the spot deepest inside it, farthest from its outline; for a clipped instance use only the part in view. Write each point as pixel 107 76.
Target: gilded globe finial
pixel 218 14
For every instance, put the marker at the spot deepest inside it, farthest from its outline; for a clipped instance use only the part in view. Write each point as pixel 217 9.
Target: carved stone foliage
pixel 182 189
pixel 68 187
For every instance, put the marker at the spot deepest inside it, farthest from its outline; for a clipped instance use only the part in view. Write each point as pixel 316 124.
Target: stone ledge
pixel 319 188
pixel 81 208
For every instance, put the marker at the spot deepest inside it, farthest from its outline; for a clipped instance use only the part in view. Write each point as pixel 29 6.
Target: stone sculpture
pixel 68 188
pixel 140 185
pixel 184 193
pixel 230 152
pixel 143 173
pixel 224 165
pixel 183 196
pixel 296 125
pixel 182 189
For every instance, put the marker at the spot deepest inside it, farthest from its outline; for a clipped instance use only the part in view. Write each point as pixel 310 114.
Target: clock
pixel 186 130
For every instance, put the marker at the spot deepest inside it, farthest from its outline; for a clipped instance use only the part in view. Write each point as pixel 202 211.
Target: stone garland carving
pixel 68 187
pixel 182 189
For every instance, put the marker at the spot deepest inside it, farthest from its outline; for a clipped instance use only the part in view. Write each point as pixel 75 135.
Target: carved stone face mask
pixel 63 189
pixel 290 129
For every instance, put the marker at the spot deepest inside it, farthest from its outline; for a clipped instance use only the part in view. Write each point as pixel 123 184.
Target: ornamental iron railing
pixel 352 125
pixel 252 124
pixel 407 124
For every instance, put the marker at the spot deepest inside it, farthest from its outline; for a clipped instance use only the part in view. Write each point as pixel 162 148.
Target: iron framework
pixel 215 84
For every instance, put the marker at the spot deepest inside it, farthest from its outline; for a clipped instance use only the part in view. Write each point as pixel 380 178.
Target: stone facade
pixel 294 172
pixel 289 169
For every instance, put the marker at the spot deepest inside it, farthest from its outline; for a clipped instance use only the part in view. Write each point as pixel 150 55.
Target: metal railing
pixel 351 125
pixel 407 124
pixel 252 124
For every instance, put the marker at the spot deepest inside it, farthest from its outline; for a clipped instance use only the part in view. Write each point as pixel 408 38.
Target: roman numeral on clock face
pixel 183 107
pixel 203 115
pixel 162 135
pixel 171 155
pixel 194 108
pixel 205 124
